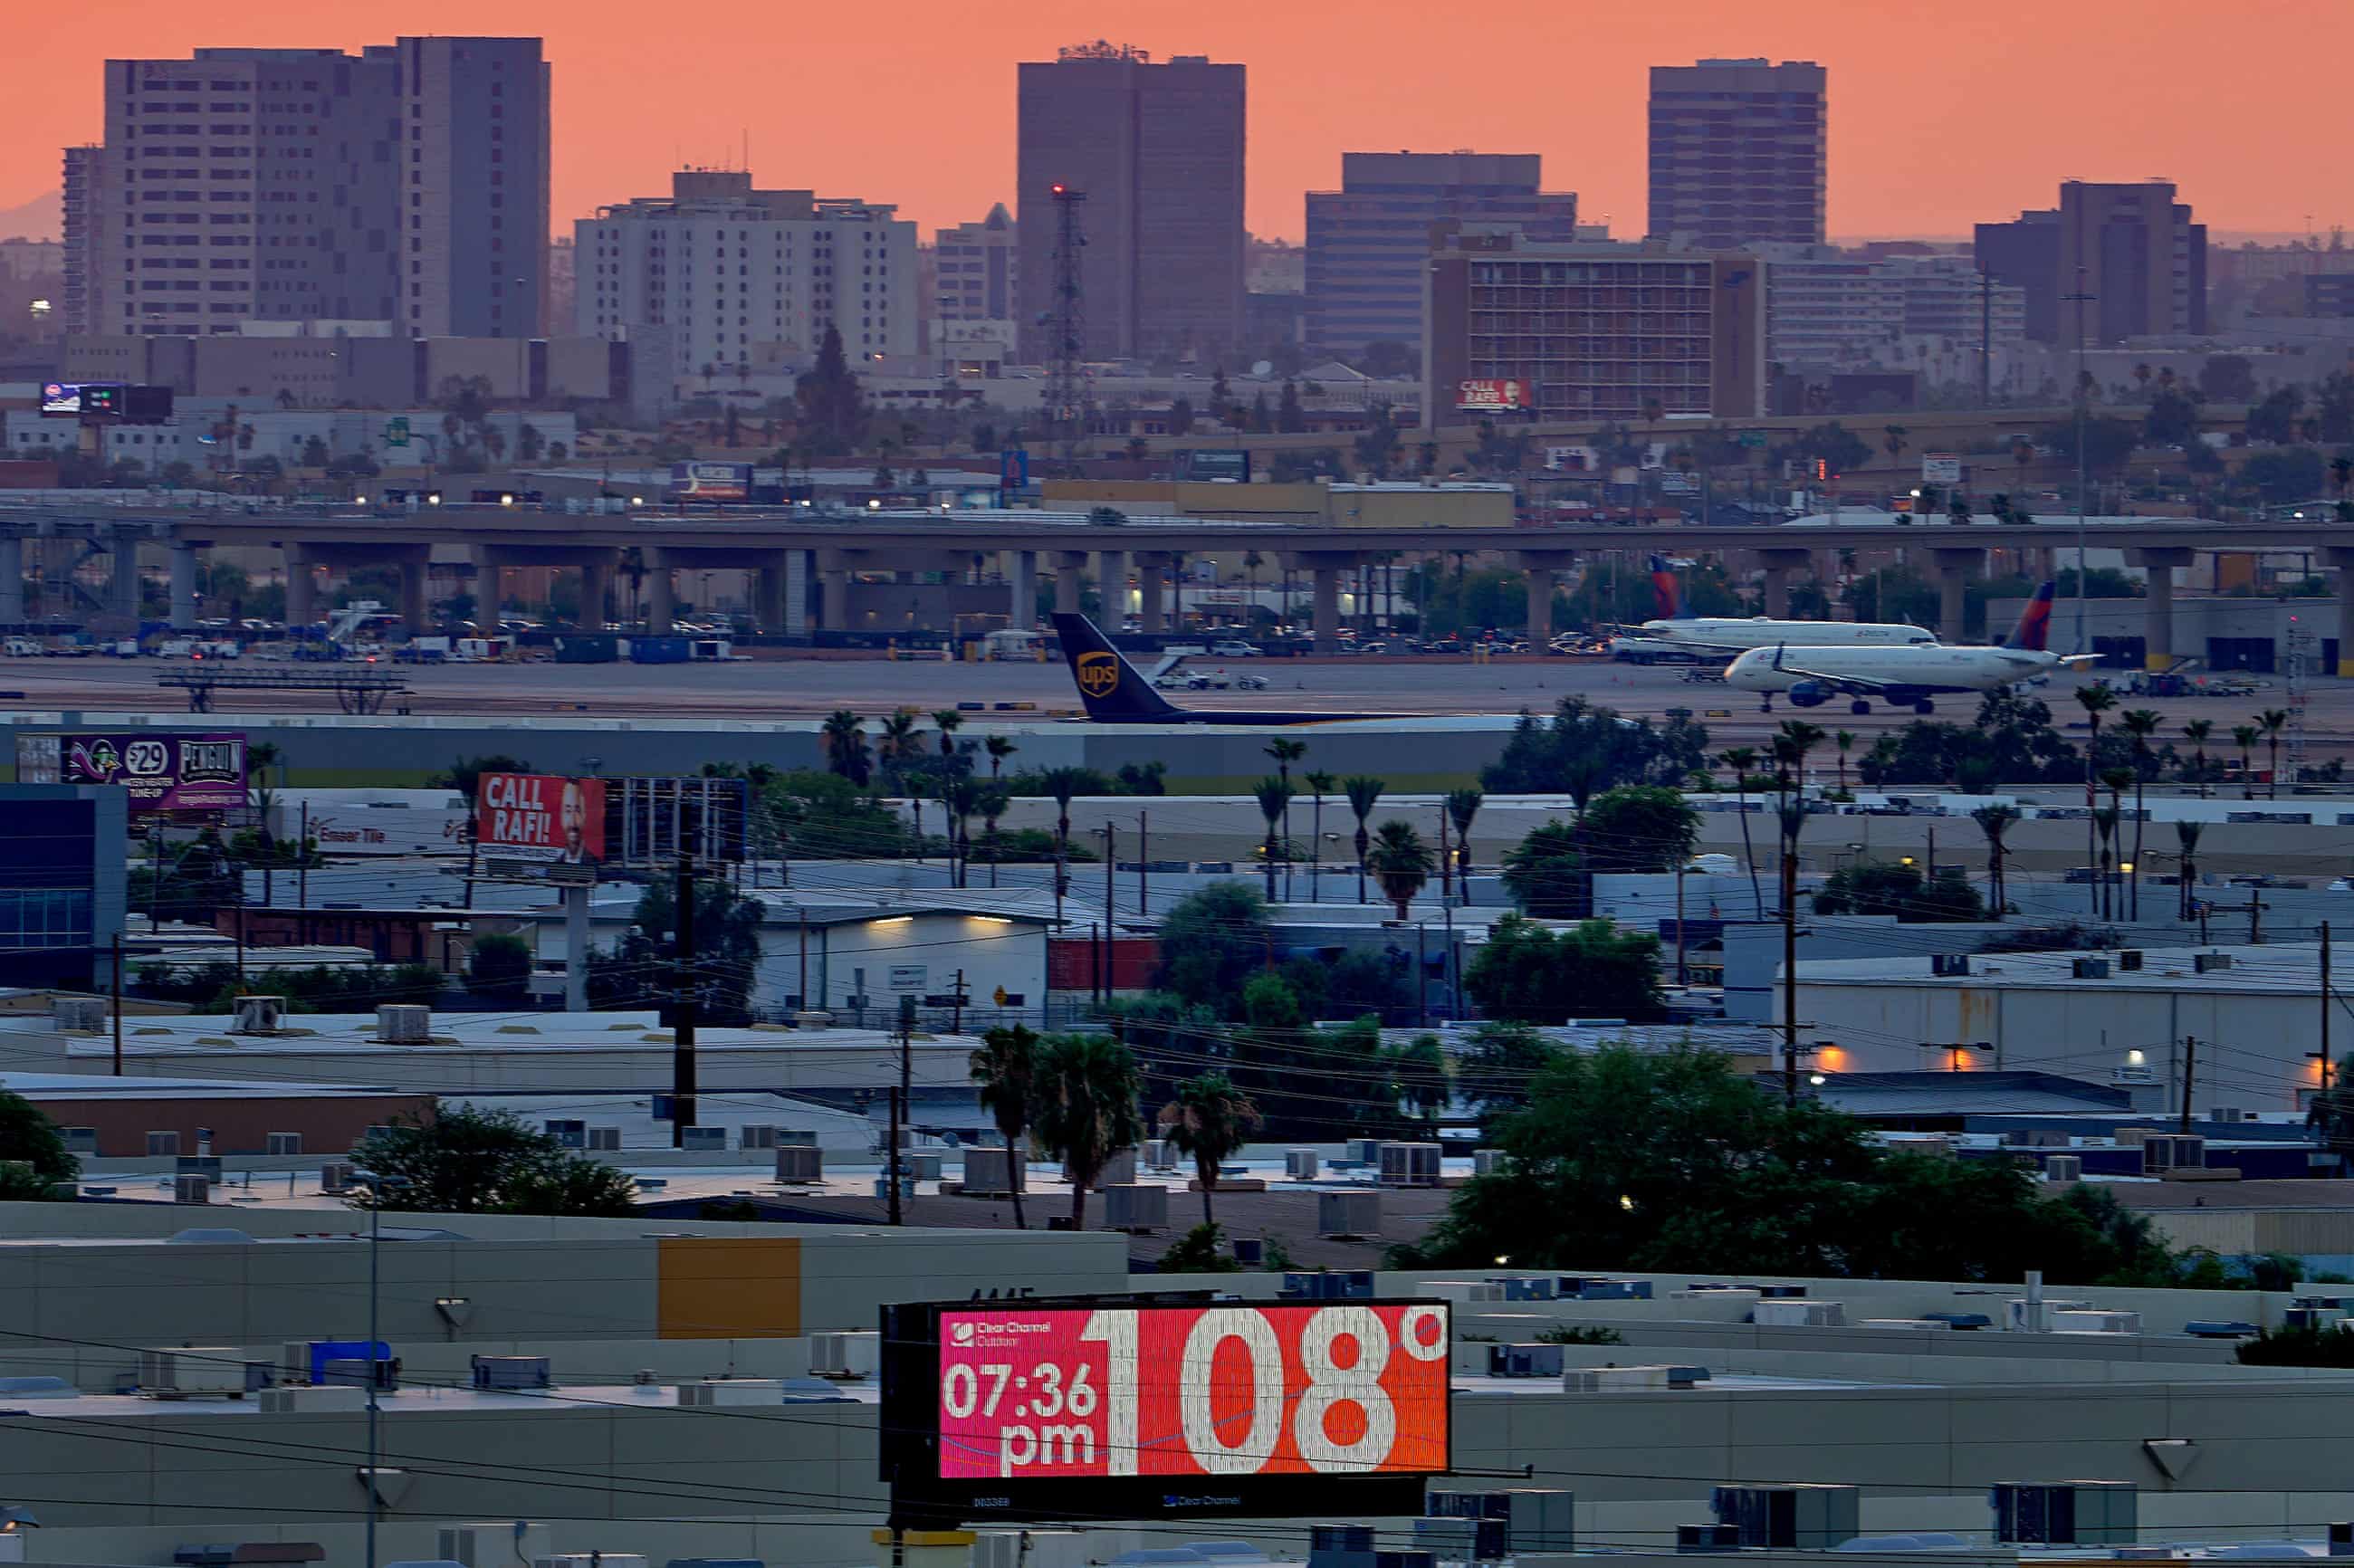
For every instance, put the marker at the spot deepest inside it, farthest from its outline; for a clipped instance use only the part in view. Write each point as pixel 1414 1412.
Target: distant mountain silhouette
pixel 43 217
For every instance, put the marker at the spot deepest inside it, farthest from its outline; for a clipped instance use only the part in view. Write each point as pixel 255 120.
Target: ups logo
pixel 1098 673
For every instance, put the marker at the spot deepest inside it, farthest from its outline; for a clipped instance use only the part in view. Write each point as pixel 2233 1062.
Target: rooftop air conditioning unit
pixel 79 1140
pixel 1158 1156
pixel 1523 1288
pixel 1408 1164
pixel 492 1545
pixel 2129 961
pixel 1348 1213
pixel 1579 1288
pixel 404 1024
pixel 1134 1208
pixel 2064 1513
pixel 921 1167
pixel 511 1373
pixel 301 1401
pixel 192 1189
pixel 1950 963
pixel 994 1173
pixel 259 1014
pixel 1525 1361
pixel 208 1166
pixel 605 1139
pixel 1330 1285
pixel 1799 1313
pixel 1694 1539
pixel 86 1013
pixel 1119 1171
pixel 2315 1318
pixel 1302 1164
pixel 1487 1161
pixel 851 1353
pixel 2089 968
pixel 2231 1114
pixel 161 1143
pixel 2172 1151
pixel 807 1134
pixel 1364 1151
pixel 749 1137
pixel 2206 963
pixel 192 1369
pixel 569 1131
pixel 1460 1540
pixel 703 1138
pixel 284 1143
pixel 2099 1320
pixel 2063 1168
pixel 1791 1518
pixel 800 1162
pixel 336 1176
pixel 731 1391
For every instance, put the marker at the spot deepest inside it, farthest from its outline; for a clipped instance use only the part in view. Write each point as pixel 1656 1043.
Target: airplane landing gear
pixel 1859 707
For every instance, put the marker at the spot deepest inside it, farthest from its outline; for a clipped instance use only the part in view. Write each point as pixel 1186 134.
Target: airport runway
pixel 782 688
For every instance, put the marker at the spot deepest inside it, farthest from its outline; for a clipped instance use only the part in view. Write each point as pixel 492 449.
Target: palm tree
pixel 1462 806
pixel 2186 834
pixel 900 744
pixel 1209 1119
pixel 1005 1070
pixel 1741 759
pixel 1063 784
pixel 2140 723
pixel 2096 699
pixel 1994 821
pixel 1273 796
pixel 1252 562
pixel 2272 721
pixel 260 758
pixel 1400 861
pixel 1845 741
pixel 948 721
pixel 2197 733
pixel 960 798
pixel 1791 742
pixel 1365 793
pixel 2244 735
pixel 992 806
pixel 1319 784
pixel 2113 779
pixel 2105 829
pixel 1284 753
pixel 844 735
pixel 1085 1108
pixel 1893 437
pixel 999 748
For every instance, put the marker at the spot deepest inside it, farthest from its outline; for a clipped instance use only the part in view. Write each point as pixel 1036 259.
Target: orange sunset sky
pixel 1942 112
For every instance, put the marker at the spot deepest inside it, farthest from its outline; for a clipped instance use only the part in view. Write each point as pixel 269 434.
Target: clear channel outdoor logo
pixel 965 1331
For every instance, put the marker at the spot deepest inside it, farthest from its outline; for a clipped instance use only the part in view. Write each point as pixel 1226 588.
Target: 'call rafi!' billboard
pixel 159 772
pixel 540 819
pixel 1492 394
pixel 1053 1410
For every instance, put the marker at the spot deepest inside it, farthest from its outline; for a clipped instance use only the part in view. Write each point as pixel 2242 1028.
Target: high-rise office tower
pixel 1158 151
pixel 975 269
pixel 408 184
pixel 1368 242
pixel 2111 261
pixel 1738 152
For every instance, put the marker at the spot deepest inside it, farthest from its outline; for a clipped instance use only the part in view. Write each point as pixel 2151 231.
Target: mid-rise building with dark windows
pixel 1739 153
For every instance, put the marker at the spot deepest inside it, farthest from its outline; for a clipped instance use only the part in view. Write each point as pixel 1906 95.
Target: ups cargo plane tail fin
pixel 1109 684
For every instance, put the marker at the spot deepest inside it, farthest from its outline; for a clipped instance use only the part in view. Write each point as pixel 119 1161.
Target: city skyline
pixel 1910 85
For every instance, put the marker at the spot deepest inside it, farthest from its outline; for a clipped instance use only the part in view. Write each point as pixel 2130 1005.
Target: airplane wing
pixel 1701 645
pixel 1859 685
pixel 2079 659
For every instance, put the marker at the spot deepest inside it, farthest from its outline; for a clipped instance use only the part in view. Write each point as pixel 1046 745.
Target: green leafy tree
pixel 1005 1071
pixel 33 1154
pixel 468 1161
pixel 834 416
pixel 1420 1079
pixel 1209 1120
pixel 1498 1064
pixel 1085 1108
pixel 1212 940
pixel 1582 749
pixel 1885 887
pixel 844 737
pixel 1640 828
pixel 1201 1250
pixel 639 969
pixel 499 966
pixel 1544 873
pixel 1526 973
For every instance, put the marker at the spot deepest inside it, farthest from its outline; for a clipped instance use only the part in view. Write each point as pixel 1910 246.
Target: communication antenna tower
pixel 1066 388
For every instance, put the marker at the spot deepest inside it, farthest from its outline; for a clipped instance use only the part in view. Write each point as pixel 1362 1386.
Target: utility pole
pixel 1111 867
pixel 1680 978
pixel 1143 855
pixel 2321 1051
pixel 898 1097
pixel 2190 1063
pixel 2083 404
pixel 682 1066
pixel 1789 975
pixel 115 985
pixel 1446 861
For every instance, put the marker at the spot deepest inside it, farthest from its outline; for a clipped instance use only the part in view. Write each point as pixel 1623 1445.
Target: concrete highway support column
pixel 183 588
pixel 1023 613
pixel 2157 609
pixel 1111 587
pixel 1955 570
pixel 596 590
pixel 796 571
pixel 1069 568
pixel 833 590
pixel 1328 607
pixel 1778 564
pixel 415 603
pixel 662 594
pixel 122 581
pixel 2342 558
pixel 1542 567
pixel 768 598
pixel 301 604
pixel 12 581
pixel 1151 574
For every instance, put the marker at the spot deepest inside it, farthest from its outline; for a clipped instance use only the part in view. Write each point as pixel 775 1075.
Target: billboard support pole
pixel 576 949
pixel 682 1081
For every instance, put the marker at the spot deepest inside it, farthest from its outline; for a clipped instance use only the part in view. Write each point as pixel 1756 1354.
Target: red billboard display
pixel 1206 1395
pixel 1492 395
pixel 541 817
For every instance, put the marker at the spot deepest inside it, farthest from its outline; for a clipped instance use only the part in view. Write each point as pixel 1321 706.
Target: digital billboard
pixel 1023 1410
pixel 540 819
pixel 159 772
pixel 710 480
pixel 1492 394
pixel 78 399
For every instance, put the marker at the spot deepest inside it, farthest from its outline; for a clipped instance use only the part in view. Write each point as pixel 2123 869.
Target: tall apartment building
pixel 1829 307
pixel 1588 329
pixel 407 184
pixel 1738 152
pixel 736 276
pixel 975 270
pixel 1158 151
pixel 2131 249
pixel 1369 241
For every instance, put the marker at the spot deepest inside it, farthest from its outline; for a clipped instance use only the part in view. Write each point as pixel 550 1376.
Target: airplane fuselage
pixel 1760 631
pixel 1899 675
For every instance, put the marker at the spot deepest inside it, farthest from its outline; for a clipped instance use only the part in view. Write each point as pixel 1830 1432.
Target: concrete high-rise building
pixel 1829 307
pixel 1738 154
pixel 1368 242
pixel 735 276
pixel 2130 248
pixel 976 266
pixel 1588 329
pixel 1158 151
pixel 407 184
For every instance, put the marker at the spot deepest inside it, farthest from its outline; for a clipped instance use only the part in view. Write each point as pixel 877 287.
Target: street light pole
pixel 2083 403
pixel 378 1185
